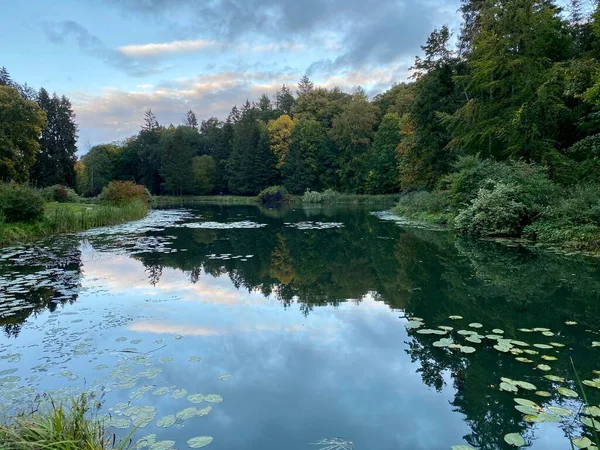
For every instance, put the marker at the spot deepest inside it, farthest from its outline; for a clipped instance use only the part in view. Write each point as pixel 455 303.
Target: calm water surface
pixel 303 328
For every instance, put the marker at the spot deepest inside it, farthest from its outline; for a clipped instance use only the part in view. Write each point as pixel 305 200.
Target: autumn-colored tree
pixel 280 134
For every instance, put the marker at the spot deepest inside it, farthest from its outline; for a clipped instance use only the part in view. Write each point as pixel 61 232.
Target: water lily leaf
pixel 462 447
pixel 526 409
pixel 413 324
pixel 445 342
pixel 473 339
pixel 508 387
pixel 475 325
pixel 200 441
pixel 213 398
pixel 165 360
pixel 196 398
pixel 543 393
pixel 543 417
pixel 544 367
pixel 590 422
pixel 525 402
pixel 161 391
pixel 145 441
pixel 524 360
pixel 556 344
pixel 466 332
pixel 582 442
pixel 118 422
pixel 121 339
pixel 595 344
pixel 162 445
pixel 225 377
pixel 592 383
pixel 428 331
pixel 204 411
pixel 525 385
pixel 554 378
pixel 525 330
pixel 530 352
pixel 179 393
pixel 543 346
pixel 570 322
pixel 445 328
pixel 516 351
pixel 502 348
pixel 519 343
pixel 567 392
pixel 541 329
pixel 549 358
pixel 418 319
pixel 497 331
pixel 166 421
pixel 508 380
pixel 467 349
pixel 547 333
pixel 455 317
pixel 514 439
pixel 493 337
pixel 186 413
pixel 560 411
pixel 592 411
pixel 195 359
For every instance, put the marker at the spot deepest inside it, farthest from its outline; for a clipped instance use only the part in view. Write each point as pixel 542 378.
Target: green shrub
pixel 274 194
pixel 19 203
pixel 60 193
pixel 312 197
pixel 121 192
pixel 431 206
pixel 496 211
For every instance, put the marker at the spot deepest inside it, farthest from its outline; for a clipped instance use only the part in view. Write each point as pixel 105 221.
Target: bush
pixel 274 194
pixel 60 193
pixel 312 197
pixel 496 211
pixel 122 192
pixel 20 203
pixel 431 206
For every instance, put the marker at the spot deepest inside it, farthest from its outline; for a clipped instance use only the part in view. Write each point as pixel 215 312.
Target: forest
pixel 499 119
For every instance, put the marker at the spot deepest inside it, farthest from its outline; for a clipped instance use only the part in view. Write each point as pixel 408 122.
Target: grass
pixel 57 426
pixel 64 218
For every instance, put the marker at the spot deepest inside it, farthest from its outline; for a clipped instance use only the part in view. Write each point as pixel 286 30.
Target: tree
pixel 383 174
pixel 352 132
pixel 280 132
pixel 190 119
pixel 177 148
pixel 321 104
pixel 265 108
pixel 204 170
pixel 55 163
pixel 284 101
pixel 100 165
pixel 246 134
pixel 21 122
pixel 150 121
pixel 304 85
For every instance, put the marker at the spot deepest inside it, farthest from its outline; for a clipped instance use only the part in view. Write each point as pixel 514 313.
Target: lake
pixel 304 328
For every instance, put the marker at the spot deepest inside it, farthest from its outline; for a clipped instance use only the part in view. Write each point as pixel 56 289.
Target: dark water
pixel 300 329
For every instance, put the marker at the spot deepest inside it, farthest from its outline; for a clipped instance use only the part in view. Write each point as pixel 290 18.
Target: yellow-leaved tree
pixel 280 135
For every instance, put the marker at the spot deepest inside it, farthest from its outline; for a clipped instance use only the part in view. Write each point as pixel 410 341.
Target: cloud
pixel 60 32
pixel 158 49
pixel 387 31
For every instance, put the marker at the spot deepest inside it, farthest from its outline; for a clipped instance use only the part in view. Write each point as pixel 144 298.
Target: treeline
pixel 317 139
pixel 38 135
pixel 520 82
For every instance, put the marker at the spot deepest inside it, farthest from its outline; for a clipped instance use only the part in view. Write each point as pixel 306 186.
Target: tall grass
pixel 64 218
pixel 58 426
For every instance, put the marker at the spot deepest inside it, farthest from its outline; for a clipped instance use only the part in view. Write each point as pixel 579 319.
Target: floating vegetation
pixel 554 378
pixel 514 439
pixel 213 398
pixel 582 442
pixel 334 444
pixel 141 416
pixel 455 317
pixel 161 391
pixel 204 411
pixel 165 422
pixel 412 324
pixel 543 393
pixel 549 358
pixel 195 359
pixel 179 393
pixel 196 398
pixel 462 447
pixel 145 441
pixel 200 441
pixel 245 224
pixel 186 413
pixel 225 377
pixel 166 360
pixel 544 367
pixel 308 225
pixel 162 445
pixel 570 322
pixel 475 325
pixel 567 392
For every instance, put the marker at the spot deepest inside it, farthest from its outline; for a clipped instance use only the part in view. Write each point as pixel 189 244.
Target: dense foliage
pixel 123 192
pixel 20 203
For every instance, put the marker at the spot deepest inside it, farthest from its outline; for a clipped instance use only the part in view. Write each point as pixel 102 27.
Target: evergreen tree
pixel 284 101
pixel 304 85
pixel 190 119
pixel 177 148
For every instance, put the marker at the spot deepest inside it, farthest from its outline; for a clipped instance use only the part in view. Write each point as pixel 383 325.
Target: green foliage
pixel 383 174
pixel 100 166
pixel 273 195
pixel 430 206
pixel 496 211
pixel 123 192
pixel 204 169
pixel 60 426
pixel 60 193
pixel 177 148
pixel 20 203
pixel 21 122
pixel 327 196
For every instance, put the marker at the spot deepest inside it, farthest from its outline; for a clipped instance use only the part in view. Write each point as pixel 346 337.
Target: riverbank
pixel 70 217
pixel 338 198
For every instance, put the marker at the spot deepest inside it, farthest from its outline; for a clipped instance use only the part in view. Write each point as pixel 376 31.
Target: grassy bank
pixel 338 198
pixel 59 426
pixel 70 217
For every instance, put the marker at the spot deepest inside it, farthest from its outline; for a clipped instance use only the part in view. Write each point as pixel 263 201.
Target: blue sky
pixel 116 58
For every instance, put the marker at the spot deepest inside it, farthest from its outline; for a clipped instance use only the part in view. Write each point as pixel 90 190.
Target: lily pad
pixel 186 413
pixel 455 317
pixel 549 358
pixel 204 411
pixel 165 422
pixel 526 385
pixel 162 445
pixel 444 342
pixel 473 339
pixel 544 367
pixel 196 398
pixel 508 387
pixel 554 378
pixel 526 409
pixel 467 349
pixel 560 411
pixel 514 439
pixel 161 391
pixel 567 392
pixel 543 346
pixel 413 324
pixel 225 377
pixel 497 331
pixel 524 360
pixel 547 333
pixel 213 398
pixel 195 359
pixel 179 393
pixel 543 393
pixel 590 422
pixel 592 411
pixel 595 344
pixel 525 402
pixel 475 325
pixel 582 442
pixel 145 441
pixel 462 447
pixel 445 328
pixel 592 383
pixel 200 441
pixel 556 344
pixel 570 322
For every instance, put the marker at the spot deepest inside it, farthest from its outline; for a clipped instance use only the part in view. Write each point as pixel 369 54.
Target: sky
pixel 115 59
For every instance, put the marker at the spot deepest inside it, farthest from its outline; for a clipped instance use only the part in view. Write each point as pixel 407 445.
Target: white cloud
pixel 163 48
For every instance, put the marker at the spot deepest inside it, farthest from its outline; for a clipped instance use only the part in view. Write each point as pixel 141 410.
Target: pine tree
pixel 383 174
pixel 304 85
pixel 284 101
